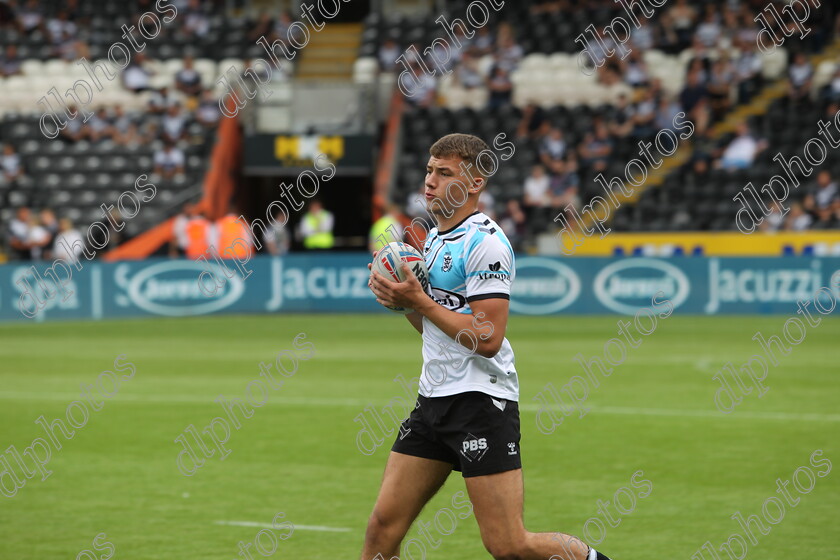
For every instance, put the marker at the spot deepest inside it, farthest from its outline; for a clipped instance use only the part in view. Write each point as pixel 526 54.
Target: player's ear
pixel 477 184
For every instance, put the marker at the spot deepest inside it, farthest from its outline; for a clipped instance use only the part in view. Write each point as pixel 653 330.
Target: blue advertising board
pixel 337 282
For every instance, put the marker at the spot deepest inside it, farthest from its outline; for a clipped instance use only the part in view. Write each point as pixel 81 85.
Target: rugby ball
pixel 388 261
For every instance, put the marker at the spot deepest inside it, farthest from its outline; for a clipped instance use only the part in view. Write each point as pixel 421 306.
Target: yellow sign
pixel 301 150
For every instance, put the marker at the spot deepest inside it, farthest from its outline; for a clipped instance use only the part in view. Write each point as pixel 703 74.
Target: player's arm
pixel 481 332
pixel 416 320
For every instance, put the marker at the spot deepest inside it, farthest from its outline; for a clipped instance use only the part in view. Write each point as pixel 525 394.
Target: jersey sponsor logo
pixel 447 262
pixel 450 300
pixel 474 448
pixel 627 285
pixel 543 286
pixel 494 272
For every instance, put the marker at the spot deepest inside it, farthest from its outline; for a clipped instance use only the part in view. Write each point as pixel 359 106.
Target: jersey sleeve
pixel 489 268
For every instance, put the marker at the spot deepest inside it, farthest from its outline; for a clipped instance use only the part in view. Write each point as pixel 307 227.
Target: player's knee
pixel 382 528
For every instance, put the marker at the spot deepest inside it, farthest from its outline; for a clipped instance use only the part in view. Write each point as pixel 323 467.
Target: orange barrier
pixel 218 188
pixel 385 165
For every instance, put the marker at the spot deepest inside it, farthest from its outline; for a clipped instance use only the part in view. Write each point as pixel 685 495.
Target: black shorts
pixel 476 433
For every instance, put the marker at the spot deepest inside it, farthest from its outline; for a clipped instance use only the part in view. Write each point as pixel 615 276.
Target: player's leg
pixel 498 504
pixel 408 484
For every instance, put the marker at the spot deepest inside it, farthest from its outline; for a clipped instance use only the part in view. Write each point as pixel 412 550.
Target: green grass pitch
pixel 298 455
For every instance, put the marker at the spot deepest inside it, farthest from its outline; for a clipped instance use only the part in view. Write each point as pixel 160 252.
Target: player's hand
pixel 400 294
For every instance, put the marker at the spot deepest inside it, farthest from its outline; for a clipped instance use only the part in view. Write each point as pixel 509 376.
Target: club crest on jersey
pixel 474 448
pixel 447 262
pixel 494 272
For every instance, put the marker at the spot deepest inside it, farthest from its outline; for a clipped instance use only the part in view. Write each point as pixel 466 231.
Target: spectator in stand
pixel 482 42
pixel 719 87
pixel 694 101
pixel 797 219
pixel 10 164
pixel 135 77
pixel 552 150
pixel 50 224
pixel 425 89
pixel 683 16
pixel 208 113
pixel 621 120
pixel 31 17
pixel 709 31
pixel 831 92
pixel 774 221
pixel 68 236
pixel 316 226
pixel 747 71
pixel 196 22
pixel 642 37
pixel 537 198
pixel 187 79
pixel 10 63
pixel 565 186
pixel 74 131
pixel 800 76
pixel 389 52
pixel 644 115
pixel 18 235
pixel 666 37
pixel 500 87
pixel 38 240
pixel 276 236
pixel 60 28
pixel 174 124
pixel 636 73
pixel 514 223
pixel 169 161
pixel 282 26
pixel 99 127
pixel 596 149
pixel 161 100
pixel 823 196
pixel 742 150
pixel 467 74
pixel 509 53
pixel 533 123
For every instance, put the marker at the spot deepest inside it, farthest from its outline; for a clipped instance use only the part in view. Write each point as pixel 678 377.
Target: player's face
pixel 445 175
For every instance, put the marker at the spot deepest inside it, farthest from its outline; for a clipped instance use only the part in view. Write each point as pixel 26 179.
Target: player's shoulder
pixel 483 230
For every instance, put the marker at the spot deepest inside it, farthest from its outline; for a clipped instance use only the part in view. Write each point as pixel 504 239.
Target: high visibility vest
pixel 197 243
pixel 229 232
pixel 320 240
pixel 380 228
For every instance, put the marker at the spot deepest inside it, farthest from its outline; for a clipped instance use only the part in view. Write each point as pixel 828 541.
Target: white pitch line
pixel 359 403
pixel 321 528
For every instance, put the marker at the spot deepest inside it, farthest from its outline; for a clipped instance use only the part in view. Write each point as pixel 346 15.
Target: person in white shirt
pixel 68 236
pixel 135 76
pixel 741 152
pixel 169 161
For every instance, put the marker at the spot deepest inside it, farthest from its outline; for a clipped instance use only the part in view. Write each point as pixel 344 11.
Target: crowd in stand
pixel 724 70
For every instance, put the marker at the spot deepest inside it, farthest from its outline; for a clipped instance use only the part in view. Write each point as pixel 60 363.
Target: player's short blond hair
pixel 469 148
